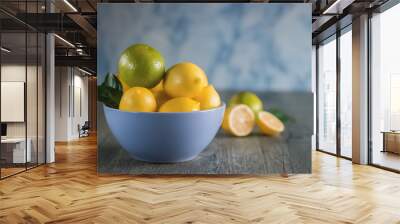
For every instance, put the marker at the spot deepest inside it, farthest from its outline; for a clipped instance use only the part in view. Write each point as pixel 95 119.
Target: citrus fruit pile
pixel 145 85
pixel 244 111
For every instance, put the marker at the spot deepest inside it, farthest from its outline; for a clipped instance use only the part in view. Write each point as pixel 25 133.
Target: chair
pixel 84 130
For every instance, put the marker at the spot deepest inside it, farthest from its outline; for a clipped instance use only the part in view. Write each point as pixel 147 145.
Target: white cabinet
pixel 18 149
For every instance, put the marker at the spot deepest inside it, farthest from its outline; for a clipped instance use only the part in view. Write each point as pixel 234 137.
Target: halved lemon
pixel 269 124
pixel 238 120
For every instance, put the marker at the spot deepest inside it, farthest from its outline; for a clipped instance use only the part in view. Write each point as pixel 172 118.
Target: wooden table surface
pixel 226 155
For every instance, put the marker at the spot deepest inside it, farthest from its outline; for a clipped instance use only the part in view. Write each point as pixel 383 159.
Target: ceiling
pixel 75 23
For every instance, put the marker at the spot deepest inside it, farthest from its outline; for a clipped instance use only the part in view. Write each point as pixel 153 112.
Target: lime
pixel 141 65
pixel 248 98
pixel 125 87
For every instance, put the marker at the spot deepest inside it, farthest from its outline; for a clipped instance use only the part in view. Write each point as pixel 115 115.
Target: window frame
pixel 336 36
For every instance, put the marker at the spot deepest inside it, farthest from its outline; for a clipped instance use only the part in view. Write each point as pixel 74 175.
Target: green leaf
pixel 109 96
pixel 281 115
pixel 112 81
pixel 110 91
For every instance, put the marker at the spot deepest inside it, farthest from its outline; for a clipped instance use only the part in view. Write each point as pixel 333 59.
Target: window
pixel 385 89
pixel 327 96
pixel 346 93
pixel 334 138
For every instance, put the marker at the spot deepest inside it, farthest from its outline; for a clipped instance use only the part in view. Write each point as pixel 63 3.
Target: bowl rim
pixel 223 105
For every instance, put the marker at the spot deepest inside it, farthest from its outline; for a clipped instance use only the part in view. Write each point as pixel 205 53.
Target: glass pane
pixel 314 86
pixel 41 98
pixel 327 97
pixel 13 86
pixel 32 88
pixel 346 94
pixel 386 89
pixel 32 98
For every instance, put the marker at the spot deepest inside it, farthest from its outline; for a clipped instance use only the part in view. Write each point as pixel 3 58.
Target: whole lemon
pixel 185 80
pixel 180 104
pixel 141 65
pixel 161 97
pixel 208 98
pixel 138 99
pixel 159 87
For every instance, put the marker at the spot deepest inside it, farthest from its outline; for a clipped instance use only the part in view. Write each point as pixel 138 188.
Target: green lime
pixel 141 65
pixel 248 98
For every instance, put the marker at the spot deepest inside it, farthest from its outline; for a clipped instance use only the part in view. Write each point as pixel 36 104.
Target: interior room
pixel 303 127
pixel 22 102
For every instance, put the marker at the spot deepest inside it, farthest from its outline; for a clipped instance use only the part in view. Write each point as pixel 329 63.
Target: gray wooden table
pixel 255 154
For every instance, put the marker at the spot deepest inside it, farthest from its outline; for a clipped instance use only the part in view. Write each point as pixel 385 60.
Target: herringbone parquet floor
pixel 70 191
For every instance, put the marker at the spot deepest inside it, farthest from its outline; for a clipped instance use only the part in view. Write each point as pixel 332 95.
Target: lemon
pixel 141 65
pixel 180 104
pixel 269 124
pixel 208 98
pixel 159 87
pixel 138 99
pixel 248 98
pixel 125 86
pixel 238 120
pixel 161 97
pixel 185 80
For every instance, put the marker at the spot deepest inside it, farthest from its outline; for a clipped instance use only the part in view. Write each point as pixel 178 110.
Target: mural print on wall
pixel 262 49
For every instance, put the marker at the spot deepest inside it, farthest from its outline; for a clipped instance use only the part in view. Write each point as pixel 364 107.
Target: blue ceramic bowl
pixel 164 137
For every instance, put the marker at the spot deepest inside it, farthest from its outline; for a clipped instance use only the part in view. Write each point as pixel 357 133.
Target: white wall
pixel 81 104
pixel 62 81
pixel 71 94
pixel 16 72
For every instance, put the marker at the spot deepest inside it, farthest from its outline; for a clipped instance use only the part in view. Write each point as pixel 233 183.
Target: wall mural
pixel 204 88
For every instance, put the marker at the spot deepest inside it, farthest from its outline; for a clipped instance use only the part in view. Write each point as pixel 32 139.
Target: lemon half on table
pixel 269 123
pixel 238 120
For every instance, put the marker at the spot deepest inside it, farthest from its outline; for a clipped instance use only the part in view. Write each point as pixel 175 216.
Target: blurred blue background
pixel 264 47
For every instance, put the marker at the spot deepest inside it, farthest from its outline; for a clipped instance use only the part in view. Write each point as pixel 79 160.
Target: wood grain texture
pixel 70 191
pixel 255 154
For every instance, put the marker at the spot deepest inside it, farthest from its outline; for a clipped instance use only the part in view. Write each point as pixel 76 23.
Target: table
pixel 391 141
pixel 226 155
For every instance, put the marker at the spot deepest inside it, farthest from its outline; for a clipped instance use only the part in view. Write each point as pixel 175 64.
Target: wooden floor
pixel 70 191
pixel 5 172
